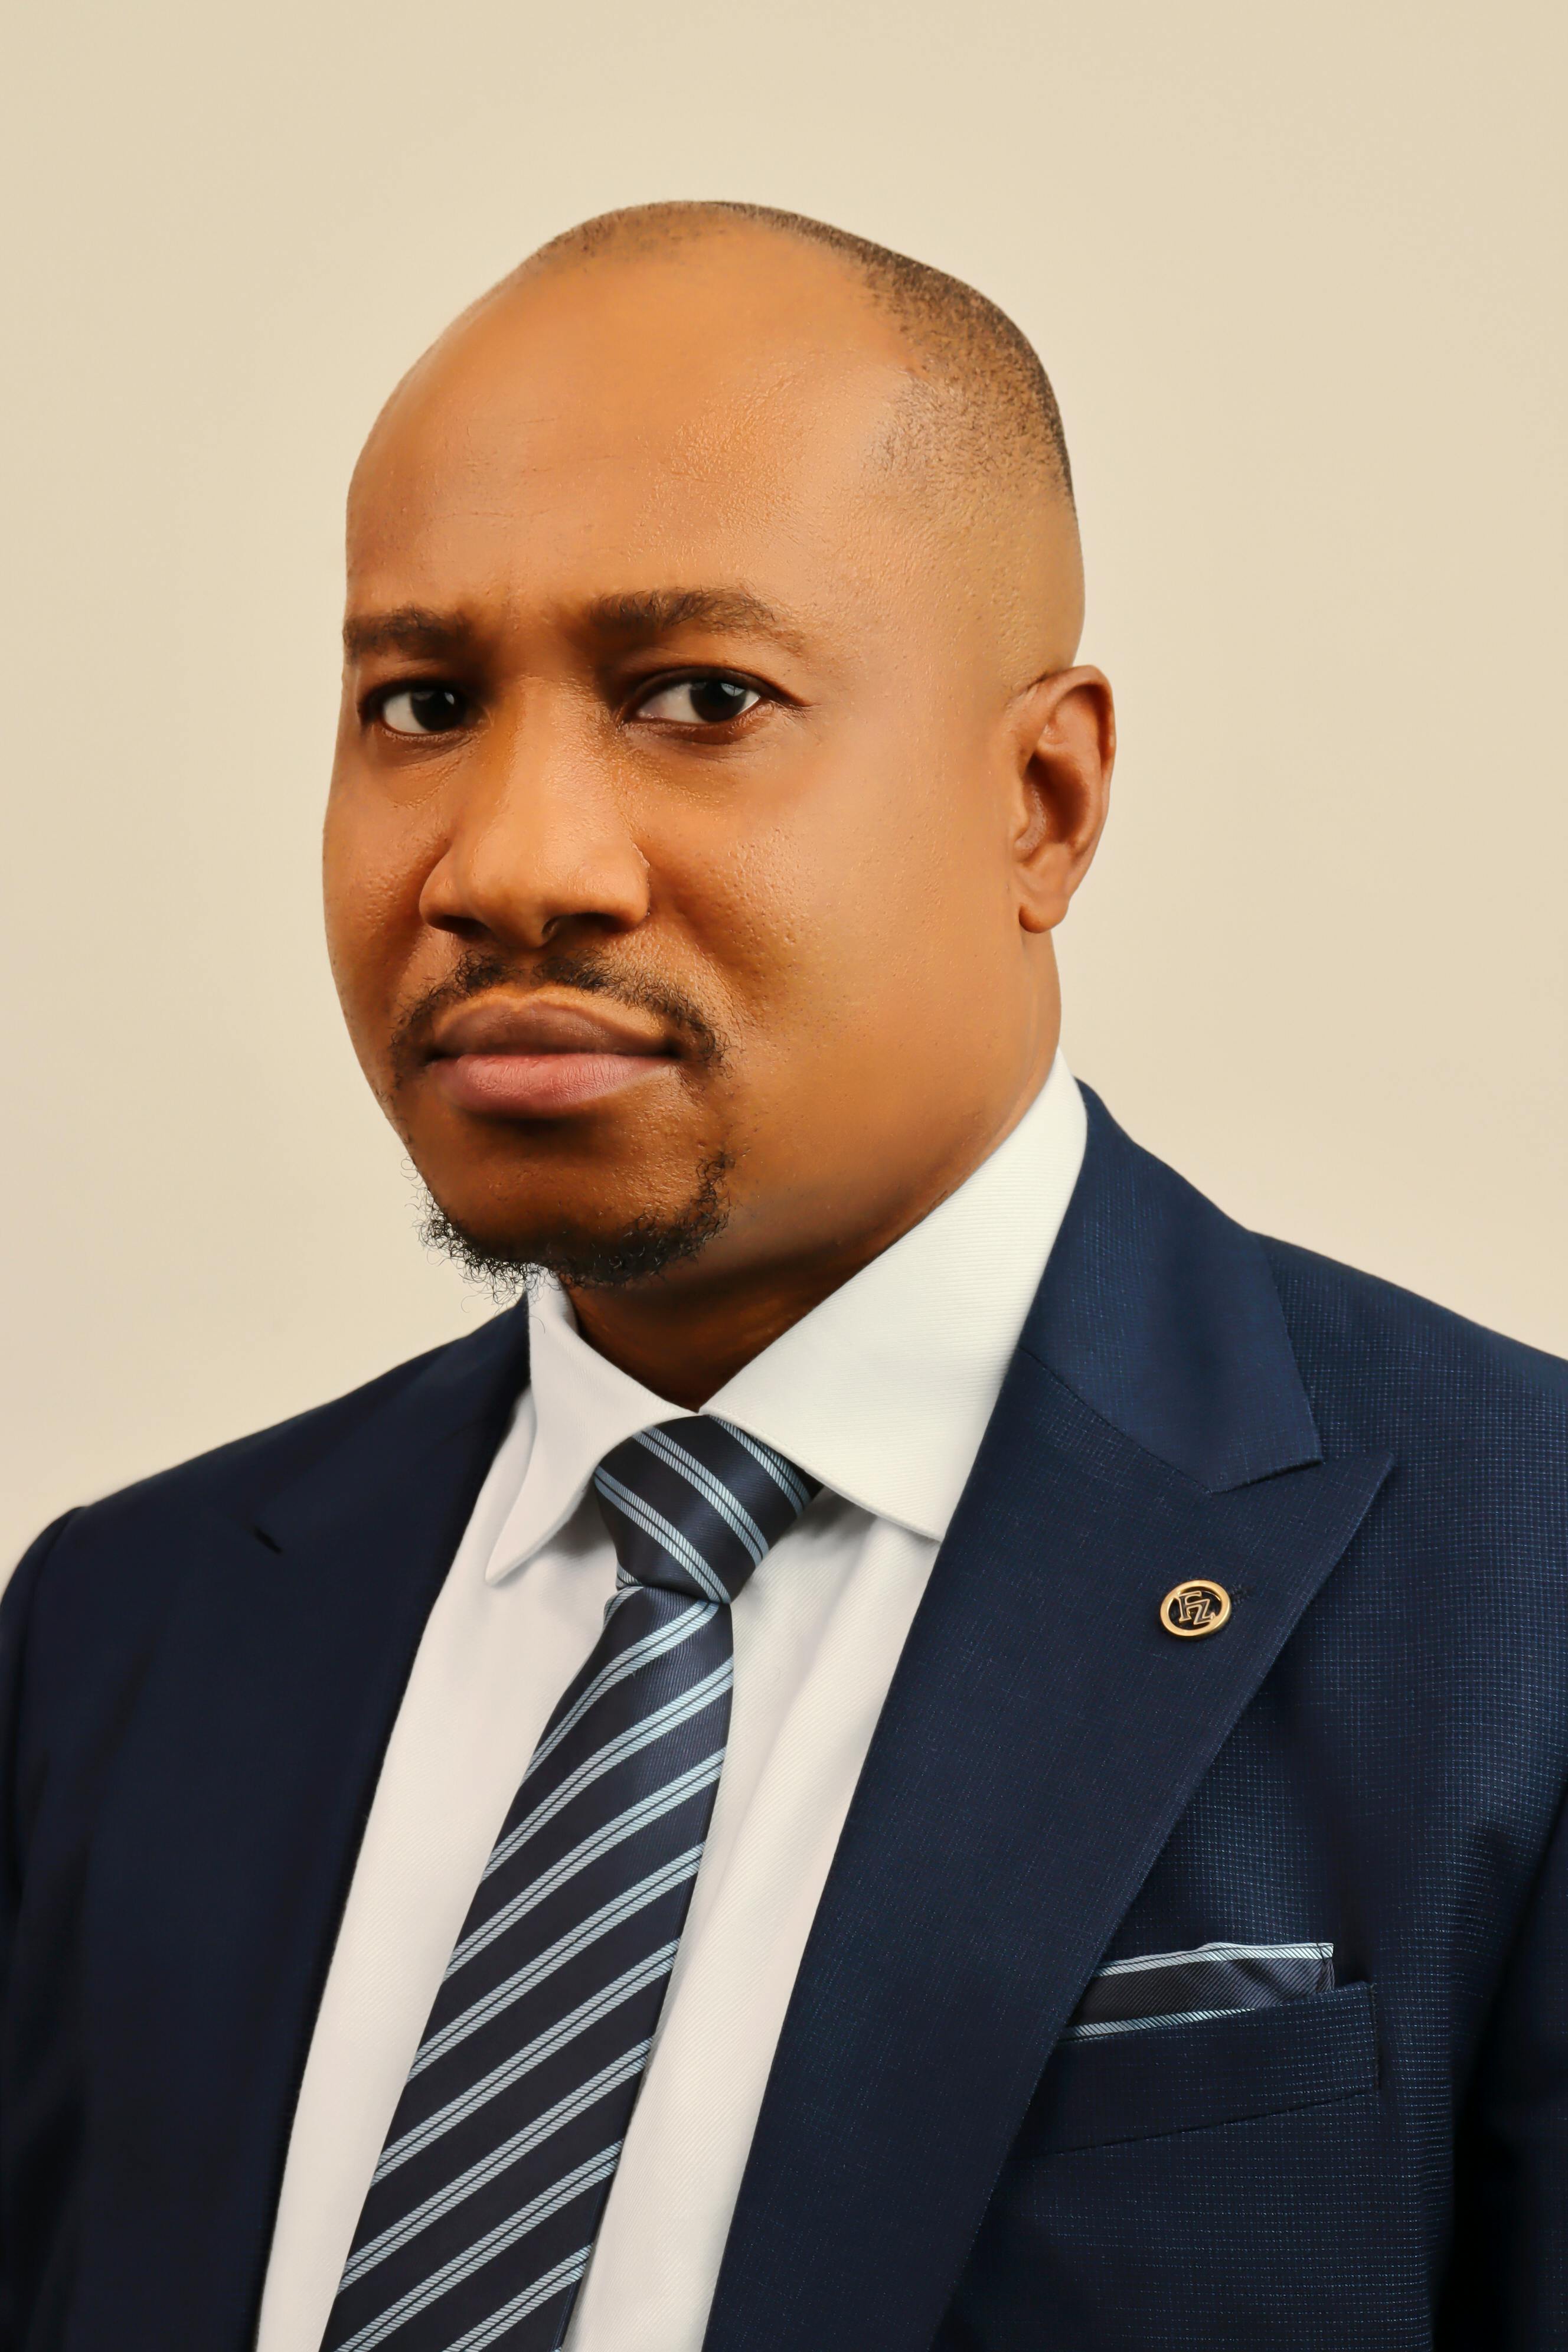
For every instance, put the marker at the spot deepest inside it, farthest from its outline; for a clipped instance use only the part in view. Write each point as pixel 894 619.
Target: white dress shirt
pixel 882 1392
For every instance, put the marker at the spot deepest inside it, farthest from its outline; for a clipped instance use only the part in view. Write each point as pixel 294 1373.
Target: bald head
pixel 958 341
pixel 957 415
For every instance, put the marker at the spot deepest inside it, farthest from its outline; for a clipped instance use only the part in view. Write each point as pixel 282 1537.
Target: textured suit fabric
pixel 1395 1787
pixel 1374 1753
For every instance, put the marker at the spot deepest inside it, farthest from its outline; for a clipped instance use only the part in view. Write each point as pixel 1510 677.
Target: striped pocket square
pixel 1216 1980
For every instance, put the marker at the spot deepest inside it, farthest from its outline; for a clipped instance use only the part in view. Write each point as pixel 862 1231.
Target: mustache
pixel 478 970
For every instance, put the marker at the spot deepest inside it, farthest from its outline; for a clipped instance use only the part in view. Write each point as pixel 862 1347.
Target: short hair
pixel 972 347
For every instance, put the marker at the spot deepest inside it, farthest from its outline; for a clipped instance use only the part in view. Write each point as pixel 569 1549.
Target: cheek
pixel 767 915
pixel 851 920
pixel 374 863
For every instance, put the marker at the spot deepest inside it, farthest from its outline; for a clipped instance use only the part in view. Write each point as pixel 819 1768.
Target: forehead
pixel 728 407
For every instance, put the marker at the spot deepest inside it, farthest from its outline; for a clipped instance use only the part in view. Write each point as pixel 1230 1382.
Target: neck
pixel 685 1338
pixel 687 1332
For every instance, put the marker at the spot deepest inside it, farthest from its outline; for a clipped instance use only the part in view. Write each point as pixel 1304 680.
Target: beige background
pixel 1295 271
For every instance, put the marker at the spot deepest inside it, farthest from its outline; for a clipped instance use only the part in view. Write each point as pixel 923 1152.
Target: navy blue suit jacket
pixel 201 1675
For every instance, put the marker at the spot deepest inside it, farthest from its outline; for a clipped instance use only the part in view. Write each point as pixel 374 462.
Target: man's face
pixel 671 852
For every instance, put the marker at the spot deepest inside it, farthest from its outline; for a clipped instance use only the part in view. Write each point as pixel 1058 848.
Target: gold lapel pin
pixel 1190 1611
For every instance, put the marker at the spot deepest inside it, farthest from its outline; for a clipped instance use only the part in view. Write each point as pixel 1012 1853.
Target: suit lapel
pixel 224 1857
pixel 1042 1735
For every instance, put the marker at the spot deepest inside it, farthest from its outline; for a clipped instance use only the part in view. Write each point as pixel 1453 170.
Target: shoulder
pixel 1474 1419
pixel 85 1616
pixel 234 1476
pixel 116 1558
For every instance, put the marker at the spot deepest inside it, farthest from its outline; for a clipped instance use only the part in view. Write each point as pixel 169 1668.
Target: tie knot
pixel 694 1504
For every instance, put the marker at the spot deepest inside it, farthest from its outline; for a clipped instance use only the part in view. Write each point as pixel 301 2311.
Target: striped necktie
pixel 482 2215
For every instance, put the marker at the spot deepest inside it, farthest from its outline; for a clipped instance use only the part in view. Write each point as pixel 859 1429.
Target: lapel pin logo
pixel 1190 1611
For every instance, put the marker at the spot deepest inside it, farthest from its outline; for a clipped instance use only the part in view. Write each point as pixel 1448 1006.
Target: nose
pixel 540 848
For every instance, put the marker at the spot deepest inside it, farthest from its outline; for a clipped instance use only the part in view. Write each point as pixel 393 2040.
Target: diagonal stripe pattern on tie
pixel 481 2215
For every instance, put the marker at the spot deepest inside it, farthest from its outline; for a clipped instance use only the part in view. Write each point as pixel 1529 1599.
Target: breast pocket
pixel 1220 2184
pixel 1183 2076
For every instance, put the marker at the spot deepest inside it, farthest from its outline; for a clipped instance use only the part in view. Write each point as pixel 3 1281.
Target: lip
pixel 541 1058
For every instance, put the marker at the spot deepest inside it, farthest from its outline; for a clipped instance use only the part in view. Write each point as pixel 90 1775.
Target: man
pixel 930 1744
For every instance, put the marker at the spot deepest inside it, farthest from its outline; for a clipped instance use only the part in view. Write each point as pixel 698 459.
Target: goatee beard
pixel 640 1251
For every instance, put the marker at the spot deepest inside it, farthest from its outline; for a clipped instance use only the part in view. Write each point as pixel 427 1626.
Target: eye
pixel 707 700
pixel 433 709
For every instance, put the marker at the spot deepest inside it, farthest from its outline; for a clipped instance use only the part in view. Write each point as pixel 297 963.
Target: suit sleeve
pixel 16 1613
pixel 1508 2285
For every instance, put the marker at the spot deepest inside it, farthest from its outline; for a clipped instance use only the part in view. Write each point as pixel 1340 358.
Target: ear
pixel 1064 747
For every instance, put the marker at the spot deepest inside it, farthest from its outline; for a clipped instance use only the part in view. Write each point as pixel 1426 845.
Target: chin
pixel 608 1242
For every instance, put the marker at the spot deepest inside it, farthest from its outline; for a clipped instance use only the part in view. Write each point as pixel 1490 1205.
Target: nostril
pixel 460 927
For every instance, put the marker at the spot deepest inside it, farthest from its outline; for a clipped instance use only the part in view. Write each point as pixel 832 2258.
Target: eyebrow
pixel 637 617
pixel 649 613
pixel 410 629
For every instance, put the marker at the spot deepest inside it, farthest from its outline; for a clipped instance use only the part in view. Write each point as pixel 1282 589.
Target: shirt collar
pixel 882 1392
